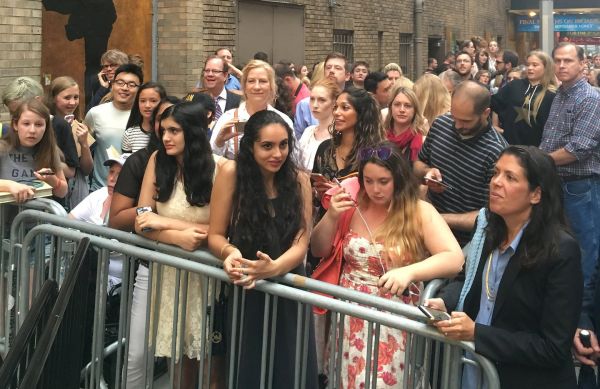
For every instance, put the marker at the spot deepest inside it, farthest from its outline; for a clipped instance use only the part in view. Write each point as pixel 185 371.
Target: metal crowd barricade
pixel 422 368
pixel 9 259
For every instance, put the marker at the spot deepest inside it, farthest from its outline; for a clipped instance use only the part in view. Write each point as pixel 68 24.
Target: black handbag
pixel 219 324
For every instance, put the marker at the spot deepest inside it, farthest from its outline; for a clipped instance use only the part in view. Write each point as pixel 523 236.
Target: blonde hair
pixel 548 81
pixel 58 85
pixel 433 96
pixel 318 73
pixel 21 89
pixel 393 66
pixel 114 56
pixel 258 64
pixel 418 121
pixel 404 82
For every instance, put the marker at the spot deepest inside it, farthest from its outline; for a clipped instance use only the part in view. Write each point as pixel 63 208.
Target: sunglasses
pixel 382 152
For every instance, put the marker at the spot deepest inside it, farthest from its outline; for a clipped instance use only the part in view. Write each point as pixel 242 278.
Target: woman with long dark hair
pixel 260 226
pixel 357 124
pixel 177 186
pixel 139 127
pixel 521 297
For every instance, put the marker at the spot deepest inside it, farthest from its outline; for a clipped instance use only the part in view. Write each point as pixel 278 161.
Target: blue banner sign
pixel 589 22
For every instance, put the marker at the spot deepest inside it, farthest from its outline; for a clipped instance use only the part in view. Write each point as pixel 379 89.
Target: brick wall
pixel 180 44
pixel 20 41
pixel 378 23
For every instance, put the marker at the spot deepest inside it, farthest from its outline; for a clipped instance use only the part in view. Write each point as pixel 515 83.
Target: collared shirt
pixel 490 277
pixel 303 117
pixel 222 99
pixel 232 83
pixel 574 124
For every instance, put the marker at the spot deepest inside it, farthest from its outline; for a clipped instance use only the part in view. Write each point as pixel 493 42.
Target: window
pixel 405 61
pixel 343 42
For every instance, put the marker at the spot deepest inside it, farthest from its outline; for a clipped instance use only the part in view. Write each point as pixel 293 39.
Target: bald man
pixel 460 152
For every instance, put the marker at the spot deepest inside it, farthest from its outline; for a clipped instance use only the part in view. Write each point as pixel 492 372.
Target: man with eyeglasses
pixel 214 76
pixel 100 87
pixel 108 121
pixel 464 65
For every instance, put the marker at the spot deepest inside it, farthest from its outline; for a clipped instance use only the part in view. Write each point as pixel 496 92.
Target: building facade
pixel 186 31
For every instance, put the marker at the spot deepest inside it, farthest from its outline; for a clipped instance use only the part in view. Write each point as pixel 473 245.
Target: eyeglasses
pixel 110 66
pixel 382 152
pixel 123 84
pixel 212 71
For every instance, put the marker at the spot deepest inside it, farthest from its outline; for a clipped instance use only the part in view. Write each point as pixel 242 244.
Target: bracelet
pixel 224 247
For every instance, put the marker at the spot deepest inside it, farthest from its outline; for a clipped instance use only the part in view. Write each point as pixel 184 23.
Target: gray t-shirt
pixel 17 165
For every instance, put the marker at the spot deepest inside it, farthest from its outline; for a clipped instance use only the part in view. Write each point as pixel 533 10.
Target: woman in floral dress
pixel 394 242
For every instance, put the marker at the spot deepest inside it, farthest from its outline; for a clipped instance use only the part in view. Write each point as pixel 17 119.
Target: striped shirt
pixel 574 124
pixel 465 164
pixel 134 139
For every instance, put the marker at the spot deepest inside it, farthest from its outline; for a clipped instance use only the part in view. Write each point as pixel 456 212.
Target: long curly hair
pixel 251 206
pixel 198 163
pixel 368 129
pixel 401 229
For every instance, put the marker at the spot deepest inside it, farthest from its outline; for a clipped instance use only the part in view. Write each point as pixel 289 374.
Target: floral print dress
pixel 361 272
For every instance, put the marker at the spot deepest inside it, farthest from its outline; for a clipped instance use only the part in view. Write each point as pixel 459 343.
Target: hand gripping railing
pixel 397 315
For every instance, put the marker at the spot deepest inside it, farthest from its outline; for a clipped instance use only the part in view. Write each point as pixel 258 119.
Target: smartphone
pixel 239 126
pixel 434 314
pixel 46 172
pixel 141 210
pixel 70 118
pixel 318 178
pixel 105 77
pixel 438 182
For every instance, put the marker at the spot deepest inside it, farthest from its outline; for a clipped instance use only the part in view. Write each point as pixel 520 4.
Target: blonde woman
pixel 433 97
pixel 405 125
pixel 394 242
pixel 259 91
pixel 521 107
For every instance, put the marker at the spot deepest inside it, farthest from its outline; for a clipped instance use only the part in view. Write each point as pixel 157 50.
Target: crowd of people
pixel 280 168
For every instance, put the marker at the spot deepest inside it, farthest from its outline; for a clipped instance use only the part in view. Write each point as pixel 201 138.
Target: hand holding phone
pixel 434 314
pixel 439 182
pixel 142 210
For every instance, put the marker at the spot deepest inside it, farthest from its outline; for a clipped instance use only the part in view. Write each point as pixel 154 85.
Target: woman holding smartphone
pixel 30 153
pixel 521 297
pixel 356 125
pixel 260 225
pixel 63 101
pixel 177 186
pixel 392 242
pixel 260 90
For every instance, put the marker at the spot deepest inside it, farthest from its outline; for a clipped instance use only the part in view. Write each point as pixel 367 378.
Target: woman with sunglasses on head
pixel 260 223
pixel 393 242
pixel 521 107
pixel 357 124
pixel 520 298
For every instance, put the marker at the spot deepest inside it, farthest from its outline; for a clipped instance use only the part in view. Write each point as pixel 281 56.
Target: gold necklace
pixel 488 292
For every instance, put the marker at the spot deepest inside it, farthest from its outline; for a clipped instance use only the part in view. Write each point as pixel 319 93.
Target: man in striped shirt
pixel 458 157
